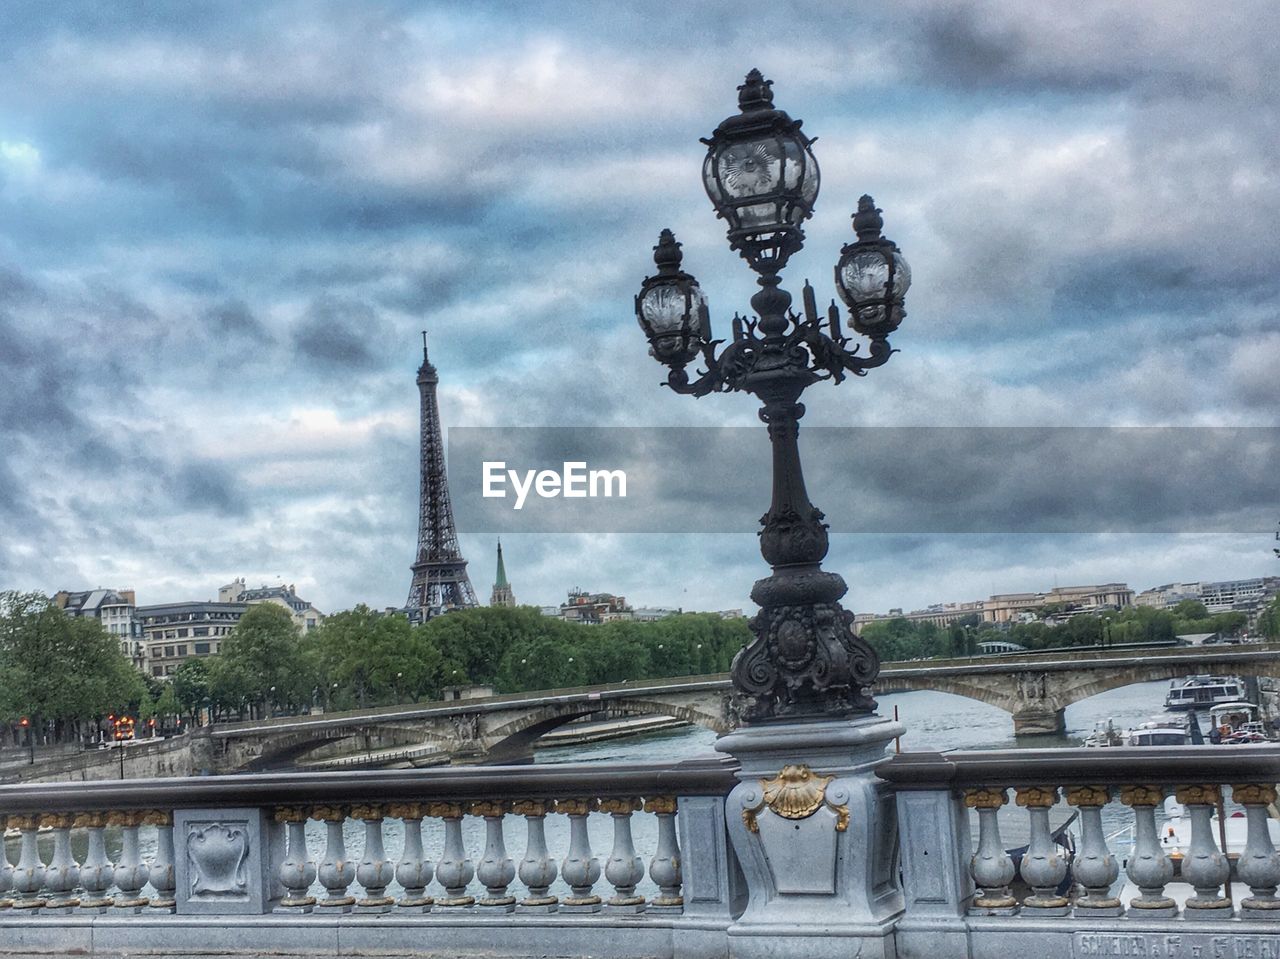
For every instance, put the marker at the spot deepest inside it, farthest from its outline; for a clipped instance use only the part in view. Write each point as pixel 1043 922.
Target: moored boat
pixel 1203 692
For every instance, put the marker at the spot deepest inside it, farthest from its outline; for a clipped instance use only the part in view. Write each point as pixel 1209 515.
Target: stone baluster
pixel 1043 865
pixel 580 869
pixel 624 868
pixel 1148 868
pixel 62 875
pixel 297 870
pixel 664 868
pixel 161 871
pixel 1094 866
pixel 131 873
pixel 6 869
pixel 496 868
pixel 537 868
pixel 454 871
pixel 28 875
pixel 1204 866
pixel 1259 863
pixel 375 871
pixel 414 869
pixel 335 871
pixel 991 867
pixel 96 872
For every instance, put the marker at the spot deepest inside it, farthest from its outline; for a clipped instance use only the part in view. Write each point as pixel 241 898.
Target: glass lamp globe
pixel 872 276
pixel 762 177
pixel 671 308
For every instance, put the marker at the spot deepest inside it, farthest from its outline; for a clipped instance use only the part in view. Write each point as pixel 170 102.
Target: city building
pixel 997 646
pixel 651 614
pixel 172 632
pixel 1232 594
pixel 305 616
pixel 583 607
pixel 502 594
pixel 940 614
pixel 115 609
pixel 1168 595
pixel 1008 607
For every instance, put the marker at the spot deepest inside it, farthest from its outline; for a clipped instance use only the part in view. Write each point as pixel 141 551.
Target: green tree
pixel 57 670
pixel 191 686
pixel 374 657
pixel 1269 620
pixel 262 663
pixel 1191 609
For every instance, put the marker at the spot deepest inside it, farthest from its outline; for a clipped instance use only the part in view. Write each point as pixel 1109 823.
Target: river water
pixel 933 721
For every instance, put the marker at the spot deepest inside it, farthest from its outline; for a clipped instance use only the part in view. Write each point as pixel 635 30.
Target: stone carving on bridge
pixel 466 728
pixel 1031 686
pixel 217 854
pixel 222 861
pixel 797 792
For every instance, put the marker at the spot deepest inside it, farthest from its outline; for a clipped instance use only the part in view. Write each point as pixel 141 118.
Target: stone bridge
pixel 1035 688
pixel 490 730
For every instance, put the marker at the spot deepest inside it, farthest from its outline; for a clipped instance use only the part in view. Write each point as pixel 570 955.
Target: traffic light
pixel 24 722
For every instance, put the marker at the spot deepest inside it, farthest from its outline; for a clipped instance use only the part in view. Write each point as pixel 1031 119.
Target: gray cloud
pixel 340 334
pixel 221 232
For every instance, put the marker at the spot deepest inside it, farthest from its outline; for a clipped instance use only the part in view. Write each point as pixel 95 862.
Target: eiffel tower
pixel 440 581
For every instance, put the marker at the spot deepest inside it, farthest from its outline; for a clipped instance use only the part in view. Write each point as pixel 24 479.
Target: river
pixel 934 721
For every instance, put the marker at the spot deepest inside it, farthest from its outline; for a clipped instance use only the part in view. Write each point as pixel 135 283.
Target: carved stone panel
pixel 222 861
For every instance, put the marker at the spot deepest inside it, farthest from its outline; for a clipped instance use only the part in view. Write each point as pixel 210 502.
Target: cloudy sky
pixel 222 228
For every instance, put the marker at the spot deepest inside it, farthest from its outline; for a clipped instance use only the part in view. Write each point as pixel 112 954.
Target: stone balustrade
pixel 753 857
pixel 956 888
pixel 460 849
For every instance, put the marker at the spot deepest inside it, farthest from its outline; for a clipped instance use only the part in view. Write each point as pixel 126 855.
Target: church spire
pixel 502 595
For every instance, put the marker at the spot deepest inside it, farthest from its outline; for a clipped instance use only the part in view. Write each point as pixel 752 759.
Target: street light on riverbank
pixel 762 178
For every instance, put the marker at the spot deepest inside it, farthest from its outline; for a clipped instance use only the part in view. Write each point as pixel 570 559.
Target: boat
pixel 1202 692
pixel 1159 731
pixel 1175 836
pixel 1105 734
pixel 1234 724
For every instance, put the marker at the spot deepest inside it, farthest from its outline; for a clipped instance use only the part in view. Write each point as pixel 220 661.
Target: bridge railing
pixel 461 848
pixel 957 892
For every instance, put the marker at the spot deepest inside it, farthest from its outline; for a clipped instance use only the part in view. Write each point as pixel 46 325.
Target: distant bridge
pixel 1035 688
pixel 489 729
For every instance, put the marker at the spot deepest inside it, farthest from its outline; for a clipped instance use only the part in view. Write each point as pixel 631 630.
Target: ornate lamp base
pixel 804 661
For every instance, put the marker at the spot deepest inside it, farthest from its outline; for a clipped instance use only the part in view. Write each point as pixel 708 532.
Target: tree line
pixel 66 675
pixel 903 639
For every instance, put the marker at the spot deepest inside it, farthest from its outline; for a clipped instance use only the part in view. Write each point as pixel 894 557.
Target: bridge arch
pixel 515 738
pixel 956 686
pixel 287 748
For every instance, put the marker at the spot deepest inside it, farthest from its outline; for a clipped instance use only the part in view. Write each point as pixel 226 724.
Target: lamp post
pixel 803 662
pixel 25 723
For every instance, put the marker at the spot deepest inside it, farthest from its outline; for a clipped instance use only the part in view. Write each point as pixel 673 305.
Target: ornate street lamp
pixel 762 177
